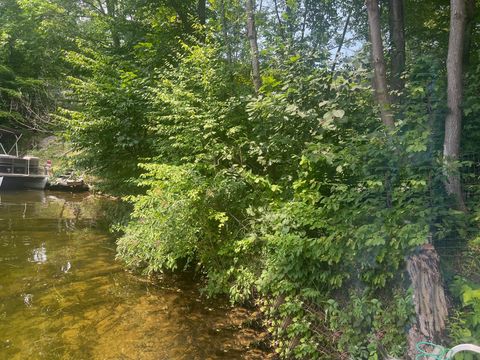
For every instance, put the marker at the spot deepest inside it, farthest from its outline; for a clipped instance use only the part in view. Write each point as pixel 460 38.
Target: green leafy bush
pixel 295 196
pixel 465 326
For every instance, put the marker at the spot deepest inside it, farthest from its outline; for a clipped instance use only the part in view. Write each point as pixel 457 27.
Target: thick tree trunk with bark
pixel 453 121
pixel 378 59
pixel 397 41
pixel 252 37
pixel 429 298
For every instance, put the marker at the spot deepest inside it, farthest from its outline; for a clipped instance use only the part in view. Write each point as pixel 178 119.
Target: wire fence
pixel 471 176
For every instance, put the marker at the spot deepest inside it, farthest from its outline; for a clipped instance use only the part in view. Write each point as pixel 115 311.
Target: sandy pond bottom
pixel 63 295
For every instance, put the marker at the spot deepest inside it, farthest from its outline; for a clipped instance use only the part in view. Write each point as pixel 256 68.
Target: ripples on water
pixel 63 295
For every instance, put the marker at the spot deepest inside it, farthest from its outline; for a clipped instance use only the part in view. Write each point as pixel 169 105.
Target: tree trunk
pixel 397 41
pixel 423 267
pixel 252 37
pixel 428 298
pixel 378 59
pixel 342 40
pixel 453 121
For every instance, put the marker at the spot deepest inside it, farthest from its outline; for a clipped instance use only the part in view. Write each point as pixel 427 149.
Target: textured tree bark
pixel 378 59
pixel 453 121
pixel 397 41
pixel 428 298
pixel 252 37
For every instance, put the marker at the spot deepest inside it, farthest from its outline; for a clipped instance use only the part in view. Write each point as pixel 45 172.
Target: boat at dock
pixel 20 172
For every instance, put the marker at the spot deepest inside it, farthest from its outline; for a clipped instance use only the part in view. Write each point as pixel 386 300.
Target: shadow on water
pixel 63 295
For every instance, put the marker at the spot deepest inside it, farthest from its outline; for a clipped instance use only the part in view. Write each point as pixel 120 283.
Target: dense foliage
pixel 33 37
pixel 296 197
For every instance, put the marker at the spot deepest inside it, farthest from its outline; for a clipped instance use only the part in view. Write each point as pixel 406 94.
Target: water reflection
pixel 63 296
pixel 27 299
pixel 40 254
pixel 66 267
pixel 24 197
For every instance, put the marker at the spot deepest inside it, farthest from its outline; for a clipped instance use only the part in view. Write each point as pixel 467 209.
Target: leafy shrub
pixel 465 327
pixel 298 196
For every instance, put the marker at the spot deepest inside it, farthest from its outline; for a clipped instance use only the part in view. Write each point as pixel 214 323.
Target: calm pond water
pixel 63 295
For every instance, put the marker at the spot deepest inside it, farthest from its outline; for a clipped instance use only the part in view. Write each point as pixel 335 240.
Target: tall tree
pixel 453 121
pixel 424 265
pixel 252 37
pixel 397 44
pixel 381 89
